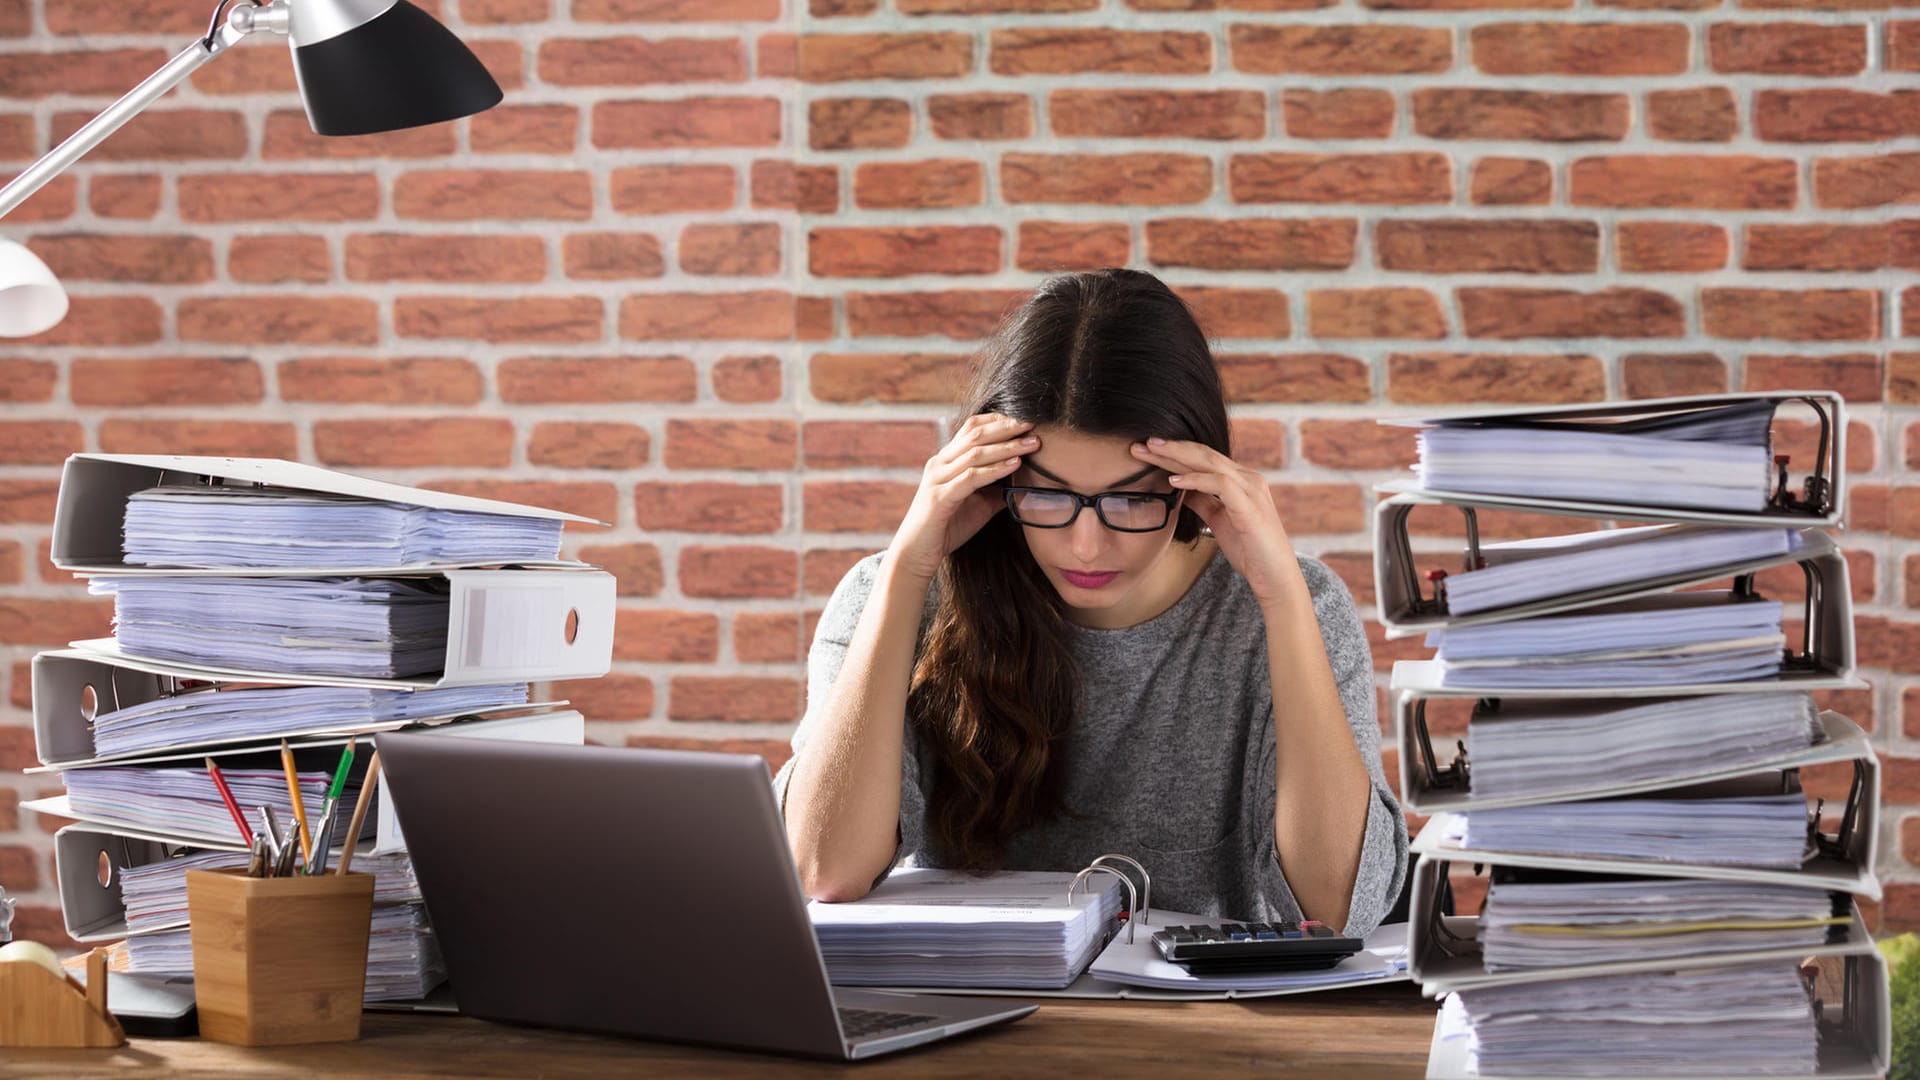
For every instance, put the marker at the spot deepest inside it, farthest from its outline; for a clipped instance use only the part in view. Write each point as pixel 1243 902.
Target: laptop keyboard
pixel 861 1023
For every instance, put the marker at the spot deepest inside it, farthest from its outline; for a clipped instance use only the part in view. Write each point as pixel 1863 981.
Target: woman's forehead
pixel 1086 462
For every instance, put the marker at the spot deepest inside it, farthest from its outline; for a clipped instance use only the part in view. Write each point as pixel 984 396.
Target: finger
pixel 968 481
pixel 1188 456
pixel 989 454
pixel 1225 490
pixel 980 429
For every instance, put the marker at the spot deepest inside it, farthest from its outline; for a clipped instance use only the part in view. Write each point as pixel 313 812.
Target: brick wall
pixel 709 271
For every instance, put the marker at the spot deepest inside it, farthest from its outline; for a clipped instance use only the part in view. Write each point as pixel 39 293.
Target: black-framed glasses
pixel 1121 511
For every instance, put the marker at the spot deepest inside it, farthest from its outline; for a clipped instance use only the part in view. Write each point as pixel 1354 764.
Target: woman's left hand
pixel 1238 506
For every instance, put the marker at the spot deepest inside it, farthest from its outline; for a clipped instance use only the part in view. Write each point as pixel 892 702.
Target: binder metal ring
pixel 1132 897
pixel 1145 911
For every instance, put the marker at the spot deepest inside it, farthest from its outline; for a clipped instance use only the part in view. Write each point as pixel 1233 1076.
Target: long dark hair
pixel 1110 352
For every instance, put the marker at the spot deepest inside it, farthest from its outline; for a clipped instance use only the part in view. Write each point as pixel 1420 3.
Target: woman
pixel 1092 634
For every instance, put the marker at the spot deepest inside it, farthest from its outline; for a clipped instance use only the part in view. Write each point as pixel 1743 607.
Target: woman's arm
pixel 1322 793
pixel 843 798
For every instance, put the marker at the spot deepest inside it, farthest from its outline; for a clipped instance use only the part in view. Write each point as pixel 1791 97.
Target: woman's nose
pixel 1089 536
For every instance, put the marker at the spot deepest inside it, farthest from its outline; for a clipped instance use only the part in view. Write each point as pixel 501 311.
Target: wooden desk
pixel 1352 1034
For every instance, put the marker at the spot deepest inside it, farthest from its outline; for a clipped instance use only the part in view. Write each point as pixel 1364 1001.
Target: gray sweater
pixel 1170 758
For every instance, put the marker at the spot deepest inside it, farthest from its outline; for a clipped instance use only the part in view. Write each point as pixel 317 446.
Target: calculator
pixel 1239 948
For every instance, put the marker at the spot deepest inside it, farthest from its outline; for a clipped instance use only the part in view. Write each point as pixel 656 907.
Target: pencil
pixel 340 774
pixel 371 781
pixel 226 794
pixel 299 804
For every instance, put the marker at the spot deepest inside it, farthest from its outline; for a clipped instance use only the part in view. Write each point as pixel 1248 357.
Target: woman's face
pixel 1095 568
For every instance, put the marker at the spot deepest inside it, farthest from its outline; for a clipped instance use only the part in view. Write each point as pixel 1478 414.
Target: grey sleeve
pixel 1383 856
pixel 831 638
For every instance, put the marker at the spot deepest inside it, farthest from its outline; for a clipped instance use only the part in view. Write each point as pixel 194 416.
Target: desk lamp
pixel 362 66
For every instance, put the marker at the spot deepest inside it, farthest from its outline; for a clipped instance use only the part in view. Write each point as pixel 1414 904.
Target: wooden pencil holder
pixel 39 1008
pixel 279 960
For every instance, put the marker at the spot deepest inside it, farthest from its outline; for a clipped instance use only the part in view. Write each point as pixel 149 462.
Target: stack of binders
pixel 1638 706
pixel 261 604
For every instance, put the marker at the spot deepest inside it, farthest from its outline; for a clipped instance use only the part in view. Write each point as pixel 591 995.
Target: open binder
pixel 91 510
pixel 1820 501
pixel 1855 1033
pixel 1446 953
pixel 1407 608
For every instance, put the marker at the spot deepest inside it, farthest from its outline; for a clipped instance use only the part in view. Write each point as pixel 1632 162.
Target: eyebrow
pixel 1142 474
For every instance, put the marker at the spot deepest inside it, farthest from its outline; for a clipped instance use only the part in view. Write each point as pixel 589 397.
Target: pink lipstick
pixel 1083 580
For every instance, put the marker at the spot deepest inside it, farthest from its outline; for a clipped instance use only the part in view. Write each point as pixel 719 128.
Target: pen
pixel 257 857
pixel 272 830
pixel 299 804
pixel 367 784
pixel 323 845
pixel 340 774
pixel 226 793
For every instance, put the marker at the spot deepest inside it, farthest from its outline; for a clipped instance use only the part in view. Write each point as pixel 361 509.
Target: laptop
pixel 634 892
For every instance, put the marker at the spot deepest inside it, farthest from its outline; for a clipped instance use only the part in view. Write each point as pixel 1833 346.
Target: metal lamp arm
pixel 243 21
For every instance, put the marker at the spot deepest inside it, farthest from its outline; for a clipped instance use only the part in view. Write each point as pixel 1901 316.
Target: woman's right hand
pixel 952 503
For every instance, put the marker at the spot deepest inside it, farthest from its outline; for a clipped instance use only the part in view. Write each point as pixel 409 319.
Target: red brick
pixel 1580 49
pixel 1299 377
pixel 1053 246
pixel 738 250
pixel 279 198
pixel 675 10
pixel 672 189
pixel 1224 312
pixel 980 116
pixel 1665 247
pixel 1355 444
pixel 888 252
pixel 1077 50
pixel 1615 312
pixel 132 17
pixel 1853 248
pixel 103 320
pixel 919 185
pixel 824 567
pixel 866 506
pixel 1833 115
pixel 1698 114
pixel 1486 113
pixel 825 58
pixel 1259 443
pixel 1258 49
pixel 782 185
pixel 258 65
pixel 526 129
pixel 614 698
pixel 846 444
pixel 1321 509
pixel 859 123
pixel 493 194
pixel 887 377
pixel 1647 375
pixel 593 499
pixel 747 379
pixel 1158 114
pixel 1786 48
pixel 1446 378
pixel 28 500
pixel 164 380
pixel 709 506
pixel 415 441
pixel 1396 178
pixel 402 380
pixel 1337 114
pixel 40 442
pixel 23 379
pixel 1375 313
pixel 743 314
pixel 1252 243
pixel 34 621
pixel 1795 315
pixel 164 135
pixel 463 258
pixel 1684 182
pixel 161 260
pixel 1478 246
pixel 739 572
pixel 635 61
pixel 665 636
pixel 1148 179
pixel 278 260
pixel 87 72
pixel 575 444
pixel 279 320
pixel 1511 182
pixel 543 319
pixel 687 123
pixel 1903 46
pixel 596 379
pixel 770 637
pixel 765 699
pixel 636 568
pixel 612 256
pixel 1903 378
pixel 12 572
pixel 129 196
pixel 731 444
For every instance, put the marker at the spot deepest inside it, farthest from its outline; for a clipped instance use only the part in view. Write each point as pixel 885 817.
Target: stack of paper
pixel 354 627
pixel 940 928
pixel 1738 1020
pixel 234 527
pixel 1759 831
pixel 1539 919
pixel 1543 747
pixel 217 715
pixel 403 960
pixel 1711 460
pixel 184 802
pixel 1672 639
pixel 156 894
pixel 1526 570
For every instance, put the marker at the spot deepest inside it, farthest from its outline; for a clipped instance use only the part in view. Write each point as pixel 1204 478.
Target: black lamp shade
pixel 399 69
